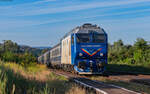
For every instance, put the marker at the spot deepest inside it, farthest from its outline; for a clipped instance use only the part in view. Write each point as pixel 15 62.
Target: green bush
pixel 12 52
pixel 9 57
pixel 137 54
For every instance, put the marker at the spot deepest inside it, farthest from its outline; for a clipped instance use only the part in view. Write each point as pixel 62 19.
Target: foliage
pixel 2 82
pixel 27 59
pixel 10 46
pixel 17 79
pixel 44 50
pixel 9 56
pixel 135 55
pixel 12 52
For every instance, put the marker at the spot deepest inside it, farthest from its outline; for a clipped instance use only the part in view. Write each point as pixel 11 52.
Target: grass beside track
pixel 127 68
pixel 37 79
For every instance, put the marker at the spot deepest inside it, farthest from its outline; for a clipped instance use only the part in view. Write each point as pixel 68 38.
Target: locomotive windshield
pixel 90 38
pixel 98 38
pixel 83 38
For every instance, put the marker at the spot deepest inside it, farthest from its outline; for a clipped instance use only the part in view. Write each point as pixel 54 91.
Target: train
pixel 83 50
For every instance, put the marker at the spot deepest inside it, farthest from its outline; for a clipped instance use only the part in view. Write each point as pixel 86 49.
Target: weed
pixel 15 79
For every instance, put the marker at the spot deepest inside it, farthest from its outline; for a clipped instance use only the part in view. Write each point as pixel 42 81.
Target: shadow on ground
pixel 141 81
pixel 117 69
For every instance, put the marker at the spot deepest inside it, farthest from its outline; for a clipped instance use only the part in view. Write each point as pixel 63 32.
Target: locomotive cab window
pixel 98 38
pixel 83 38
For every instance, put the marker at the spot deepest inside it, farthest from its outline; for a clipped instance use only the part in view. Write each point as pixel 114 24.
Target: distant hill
pixel 36 51
pixel 11 46
pixel 42 47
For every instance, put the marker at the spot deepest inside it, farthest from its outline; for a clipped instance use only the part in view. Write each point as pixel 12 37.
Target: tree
pixel 8 45
pixel 27 59
pixel 141 44
pixel 9 57
pixel 45 50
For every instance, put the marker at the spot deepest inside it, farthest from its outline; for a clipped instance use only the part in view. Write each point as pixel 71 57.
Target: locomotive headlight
pixel 80 54
pixel 101 54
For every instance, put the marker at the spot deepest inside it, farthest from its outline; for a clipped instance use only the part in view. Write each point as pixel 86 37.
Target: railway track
pixel 97 86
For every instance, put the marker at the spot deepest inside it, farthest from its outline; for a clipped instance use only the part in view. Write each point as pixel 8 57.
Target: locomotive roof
pixel 86 28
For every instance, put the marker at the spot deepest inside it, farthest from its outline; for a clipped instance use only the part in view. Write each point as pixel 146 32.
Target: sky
pixel 44 22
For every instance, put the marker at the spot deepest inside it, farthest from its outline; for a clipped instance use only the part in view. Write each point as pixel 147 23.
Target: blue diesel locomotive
pixel 83 50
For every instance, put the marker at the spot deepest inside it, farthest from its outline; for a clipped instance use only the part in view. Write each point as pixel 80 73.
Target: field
pixel 37 79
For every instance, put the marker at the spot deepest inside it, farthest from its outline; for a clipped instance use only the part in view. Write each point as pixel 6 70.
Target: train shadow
pixel 141 81
pixel 117 69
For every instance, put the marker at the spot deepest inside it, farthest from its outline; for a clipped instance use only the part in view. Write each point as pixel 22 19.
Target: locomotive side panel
pixel 66 50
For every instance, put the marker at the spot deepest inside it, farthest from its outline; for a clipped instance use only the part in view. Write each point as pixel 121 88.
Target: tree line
pixel 12 52
pixel 138 53
pixel 118 52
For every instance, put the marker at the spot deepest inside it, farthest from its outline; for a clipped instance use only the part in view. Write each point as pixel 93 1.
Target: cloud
pixel 5 23
pixel 119 13
pixel 30 10
pixel 23 5
pixel 21 20
pixel 43 1
pixel 101 14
